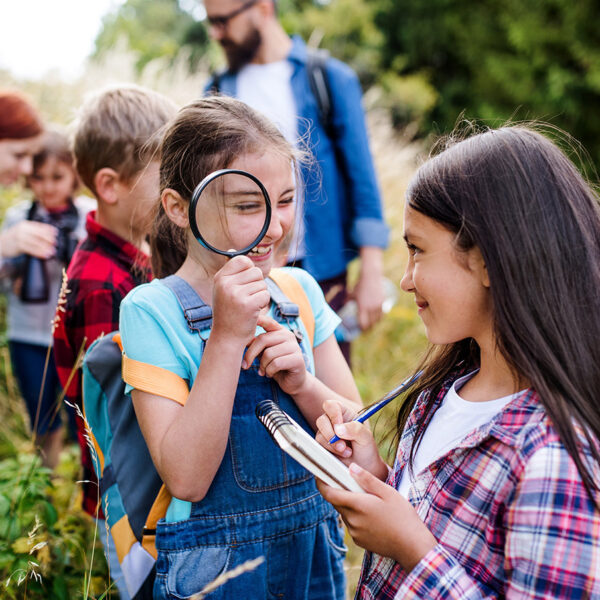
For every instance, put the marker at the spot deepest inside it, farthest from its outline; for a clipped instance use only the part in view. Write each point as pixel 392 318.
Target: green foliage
pixel 496 60
pixel 46 542
pixel 345 28
pixel 429 60
pixel 48 546
pixel 409 99
pixel 157 29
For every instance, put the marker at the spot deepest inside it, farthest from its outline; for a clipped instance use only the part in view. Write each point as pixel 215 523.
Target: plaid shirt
pixel 102 271
pixel 508 509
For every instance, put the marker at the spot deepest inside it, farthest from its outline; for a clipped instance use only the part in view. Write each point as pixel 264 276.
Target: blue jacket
pixel 342 205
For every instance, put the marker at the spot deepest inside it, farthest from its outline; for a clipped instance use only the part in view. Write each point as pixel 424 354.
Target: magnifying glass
pixel 230 212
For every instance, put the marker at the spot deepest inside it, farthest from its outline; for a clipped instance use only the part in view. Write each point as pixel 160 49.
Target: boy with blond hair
pixel 115 143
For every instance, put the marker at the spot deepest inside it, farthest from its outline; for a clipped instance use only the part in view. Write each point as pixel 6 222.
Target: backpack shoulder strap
pixel 319 85
pixel 292 289
pixel 215 86
pixel 152 379
pixel 157 512
pixel 159 381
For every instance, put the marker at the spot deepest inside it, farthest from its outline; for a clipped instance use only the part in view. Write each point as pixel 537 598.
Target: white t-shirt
pixel 268 89
pixel 450 424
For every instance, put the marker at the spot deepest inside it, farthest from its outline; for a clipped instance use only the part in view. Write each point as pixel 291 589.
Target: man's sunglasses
pixel 221 21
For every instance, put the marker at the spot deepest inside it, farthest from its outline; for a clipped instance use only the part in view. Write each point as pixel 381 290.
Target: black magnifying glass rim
pixel 196 196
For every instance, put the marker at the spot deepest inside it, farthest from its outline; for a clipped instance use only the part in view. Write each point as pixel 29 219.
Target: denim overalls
pixel 261 503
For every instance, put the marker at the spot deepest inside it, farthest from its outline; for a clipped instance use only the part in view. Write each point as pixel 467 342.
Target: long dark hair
pixel 206 135
pixel 516 196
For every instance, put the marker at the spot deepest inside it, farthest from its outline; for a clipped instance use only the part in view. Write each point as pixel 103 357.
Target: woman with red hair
pixel 20 135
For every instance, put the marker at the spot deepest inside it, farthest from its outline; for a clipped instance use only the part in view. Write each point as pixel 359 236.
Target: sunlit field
pixel 48 547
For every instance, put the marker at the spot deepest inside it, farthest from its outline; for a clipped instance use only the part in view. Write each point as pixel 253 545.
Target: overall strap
pixel 284 308
pixel 292 289
pixel 197 313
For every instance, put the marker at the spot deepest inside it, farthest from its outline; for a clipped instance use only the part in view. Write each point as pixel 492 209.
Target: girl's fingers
pixel 341 499
pixel 263 341
pixel 255 347
pixel 260 299
pixel 238 264
pixel 269 324
pixel 286 362
pixel 268 348
pixel 278 345
pixel 334 410
pixel 370 483
pixel 29 237
pixel 352 434
pixel 355 432
pixel 253 287
pixel 325 431
pixel 324 428
pixel 240 271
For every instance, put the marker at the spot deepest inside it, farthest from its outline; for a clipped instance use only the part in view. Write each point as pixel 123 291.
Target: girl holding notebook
pixel 236 496
pixel 495 489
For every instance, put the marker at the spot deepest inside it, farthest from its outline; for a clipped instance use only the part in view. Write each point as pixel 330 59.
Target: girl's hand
pixel 280 356
pixel 381 520
pixel 29 237
pixel 239 294
pixel 356 444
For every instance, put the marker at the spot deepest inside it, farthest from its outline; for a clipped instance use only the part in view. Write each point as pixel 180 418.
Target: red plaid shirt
pixel 103 270
pixel 508 509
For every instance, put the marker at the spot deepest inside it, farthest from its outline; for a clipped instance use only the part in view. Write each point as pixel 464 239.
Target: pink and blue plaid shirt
pixel 509 510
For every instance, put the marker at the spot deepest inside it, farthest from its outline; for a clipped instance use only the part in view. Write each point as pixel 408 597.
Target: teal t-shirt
pixel 154 331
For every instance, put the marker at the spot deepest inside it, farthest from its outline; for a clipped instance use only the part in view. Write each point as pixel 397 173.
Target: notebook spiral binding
pixel 271 416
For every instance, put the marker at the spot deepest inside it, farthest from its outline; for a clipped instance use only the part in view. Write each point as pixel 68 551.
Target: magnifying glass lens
pixel 231 212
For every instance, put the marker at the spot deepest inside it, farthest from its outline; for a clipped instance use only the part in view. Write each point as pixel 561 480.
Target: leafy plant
pixel 48 546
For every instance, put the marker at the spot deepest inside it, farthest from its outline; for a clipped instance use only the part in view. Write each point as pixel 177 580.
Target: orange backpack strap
pixel 294 291
pixel 157 512
pixel 152 379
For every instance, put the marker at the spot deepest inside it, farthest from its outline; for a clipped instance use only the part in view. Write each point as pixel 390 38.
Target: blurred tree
pixel 153 29
pixel 348 30
pixel 430 60
pixel 345 28
pixel 501 59
pixel 163 28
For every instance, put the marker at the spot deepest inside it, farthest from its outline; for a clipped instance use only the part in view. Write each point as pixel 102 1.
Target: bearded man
pixel 340 213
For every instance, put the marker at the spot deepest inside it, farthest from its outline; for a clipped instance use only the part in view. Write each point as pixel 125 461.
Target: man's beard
pixel 239 55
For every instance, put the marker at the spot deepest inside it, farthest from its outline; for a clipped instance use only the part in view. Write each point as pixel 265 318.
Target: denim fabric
pixel 261 503
pixel 29 365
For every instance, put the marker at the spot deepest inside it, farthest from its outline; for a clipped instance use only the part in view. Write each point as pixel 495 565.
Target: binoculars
pixel 35 287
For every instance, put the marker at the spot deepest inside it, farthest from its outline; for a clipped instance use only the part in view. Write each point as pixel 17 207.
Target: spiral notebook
pixel 293 440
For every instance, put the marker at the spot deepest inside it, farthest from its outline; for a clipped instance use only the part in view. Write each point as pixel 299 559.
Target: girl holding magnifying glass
pixel 235 495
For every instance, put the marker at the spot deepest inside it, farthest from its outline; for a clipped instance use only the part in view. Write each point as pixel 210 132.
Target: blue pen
pixel 362 417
